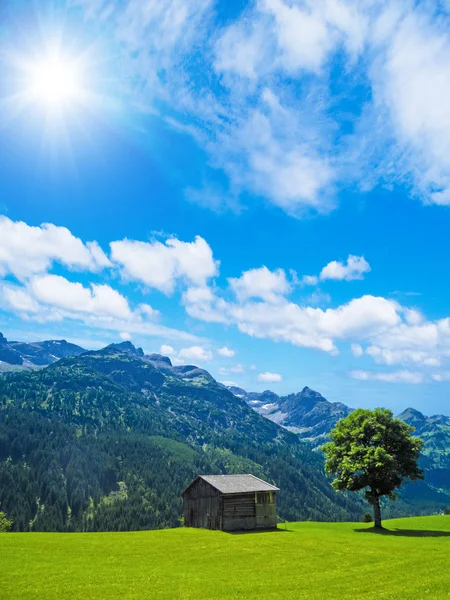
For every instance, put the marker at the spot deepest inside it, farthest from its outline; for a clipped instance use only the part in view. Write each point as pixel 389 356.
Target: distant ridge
pixel 36 354
pixel 307 412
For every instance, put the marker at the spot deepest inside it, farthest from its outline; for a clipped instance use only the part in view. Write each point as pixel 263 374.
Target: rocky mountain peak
pixel 307 392
pixel 412 416
pixel 127 347
pixel 159 358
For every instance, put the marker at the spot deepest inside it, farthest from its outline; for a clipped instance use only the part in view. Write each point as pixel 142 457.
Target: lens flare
pixel 55 82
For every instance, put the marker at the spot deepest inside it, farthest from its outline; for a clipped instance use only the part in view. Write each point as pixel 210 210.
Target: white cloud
pixel 268 377
pixel 411 85
pixel 58 292
pixel 392 377
pixel 227 352
pixel 354 269
pixel 149 312
pixel 233 369
pixel 26 250
pixel 260 283
pixel 432 362
pixel 161 265
pixel 166 350
pixel 357 351
pixel 195 353
pixel 276 318
pixel 281 36
pixel 273 123
pixel 445 376
pixel 317 298
pixel 99 257
pixel 271 151
pixel 388 356
pixel 241 50
pixel 124 335
pixel 53 298
pixel 302 35
pixel 309 280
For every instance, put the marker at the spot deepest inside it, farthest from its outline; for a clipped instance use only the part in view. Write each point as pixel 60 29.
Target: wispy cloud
pixel 268 115
pixel 389 377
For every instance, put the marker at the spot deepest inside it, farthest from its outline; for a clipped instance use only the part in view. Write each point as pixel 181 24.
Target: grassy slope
pixel 310 560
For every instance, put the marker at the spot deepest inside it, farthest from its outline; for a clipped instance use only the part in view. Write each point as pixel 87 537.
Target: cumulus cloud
pixel 278 319
pixel 58 292
pixel 355 268
pixel 167 350
pixel 160 265
pixel 260 283
pixel 195 353
pixel 227 352
pixel 268 377
pixel 379 328
pixel 27 250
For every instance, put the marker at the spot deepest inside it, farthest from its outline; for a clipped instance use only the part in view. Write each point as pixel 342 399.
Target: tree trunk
pixel 377 513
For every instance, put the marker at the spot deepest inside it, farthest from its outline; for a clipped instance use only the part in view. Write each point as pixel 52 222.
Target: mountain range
pixel 35 354
pixel 312 417
pixel 107 439
pixel 307 413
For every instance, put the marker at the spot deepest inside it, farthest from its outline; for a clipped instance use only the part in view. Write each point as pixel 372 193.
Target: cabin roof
pixel 237 484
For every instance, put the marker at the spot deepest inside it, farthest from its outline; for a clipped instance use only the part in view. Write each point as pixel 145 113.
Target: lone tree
pixel 372 451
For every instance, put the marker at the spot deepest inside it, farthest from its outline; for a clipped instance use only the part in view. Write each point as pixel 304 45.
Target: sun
pixel 55 83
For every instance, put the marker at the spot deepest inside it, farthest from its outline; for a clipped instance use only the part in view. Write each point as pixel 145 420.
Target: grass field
pixel 309 560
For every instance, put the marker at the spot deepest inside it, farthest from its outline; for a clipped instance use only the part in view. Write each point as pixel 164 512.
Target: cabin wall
pixel 238 512
pixel 244 512
pixel 266 510
pixel 202 506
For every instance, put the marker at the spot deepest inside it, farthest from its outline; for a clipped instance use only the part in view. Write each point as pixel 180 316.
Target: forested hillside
pixel 109 439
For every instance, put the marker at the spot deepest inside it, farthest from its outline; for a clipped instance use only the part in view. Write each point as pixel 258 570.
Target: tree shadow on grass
pixel 406 532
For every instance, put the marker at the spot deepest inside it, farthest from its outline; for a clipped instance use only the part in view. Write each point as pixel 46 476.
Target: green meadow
pixel 411 560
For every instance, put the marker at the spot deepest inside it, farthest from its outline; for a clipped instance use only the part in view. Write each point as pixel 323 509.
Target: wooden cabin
pixel 230 503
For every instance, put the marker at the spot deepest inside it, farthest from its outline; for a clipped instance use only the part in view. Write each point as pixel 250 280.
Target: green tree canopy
pixel 5 523
pixel 371 451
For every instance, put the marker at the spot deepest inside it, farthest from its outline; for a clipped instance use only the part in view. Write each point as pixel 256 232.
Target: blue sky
pixel 260 188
